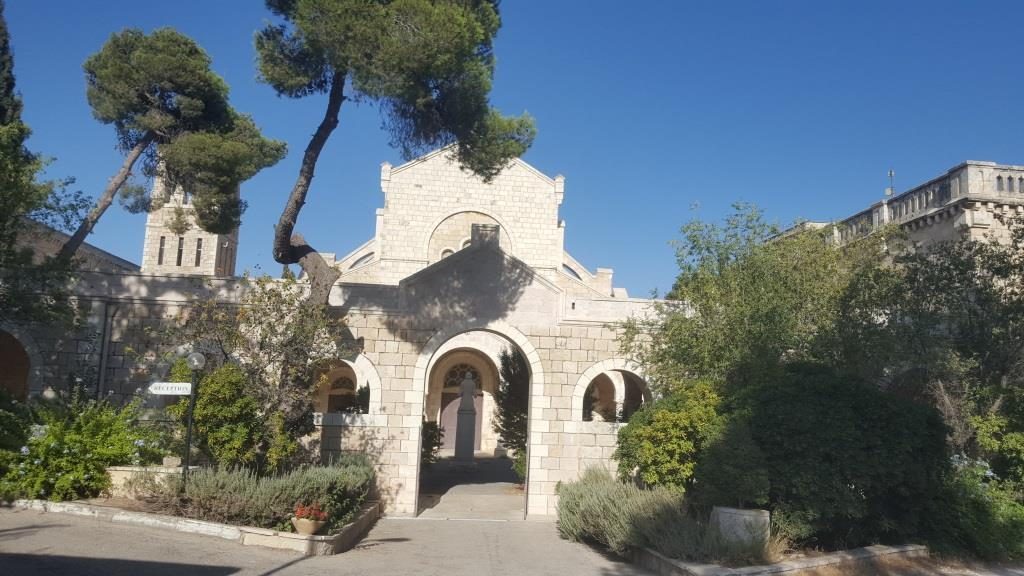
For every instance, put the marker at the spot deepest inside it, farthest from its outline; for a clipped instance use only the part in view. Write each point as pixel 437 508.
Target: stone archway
pixel 14 377
pixel 444 342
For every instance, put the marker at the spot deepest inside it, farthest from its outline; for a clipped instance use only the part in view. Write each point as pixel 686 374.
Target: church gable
pixel 479 284
pixel 426 199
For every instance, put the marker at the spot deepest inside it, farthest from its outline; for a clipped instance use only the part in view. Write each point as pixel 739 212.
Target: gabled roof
pixel 440 151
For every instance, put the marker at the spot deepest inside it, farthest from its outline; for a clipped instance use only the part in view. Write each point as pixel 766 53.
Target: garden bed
pixel 347 537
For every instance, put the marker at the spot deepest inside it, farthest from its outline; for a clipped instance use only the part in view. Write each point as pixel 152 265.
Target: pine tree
pixel 512 400
pixel 171 112
pixel 427 63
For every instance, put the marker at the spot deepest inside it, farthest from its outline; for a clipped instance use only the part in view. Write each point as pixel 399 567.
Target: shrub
pixel 430 446
pixel 14 423
pixel 598 508
pixel 662 442
pixel 226 421
pixel 731 471
pixel 67 455
pixel 242 497
pixel 519 464
pixel 976 515
pixel 847 464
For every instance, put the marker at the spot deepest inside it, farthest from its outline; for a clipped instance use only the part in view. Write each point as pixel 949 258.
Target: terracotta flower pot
pixel 308 527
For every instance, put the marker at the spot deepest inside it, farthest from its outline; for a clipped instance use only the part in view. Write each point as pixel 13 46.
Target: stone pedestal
pixel 741 526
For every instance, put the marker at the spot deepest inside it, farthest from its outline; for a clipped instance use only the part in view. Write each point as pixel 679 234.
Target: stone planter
pixel 741 526
pixel 308 527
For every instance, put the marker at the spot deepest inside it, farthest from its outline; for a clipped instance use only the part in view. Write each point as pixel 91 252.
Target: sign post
pixel 196 361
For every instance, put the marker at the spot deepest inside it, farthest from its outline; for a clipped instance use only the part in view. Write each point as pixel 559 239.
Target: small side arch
pixel 366 375
pixel 598 368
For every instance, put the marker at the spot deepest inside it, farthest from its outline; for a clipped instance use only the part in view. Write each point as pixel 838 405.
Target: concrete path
pixel 56 544
pixel 485 489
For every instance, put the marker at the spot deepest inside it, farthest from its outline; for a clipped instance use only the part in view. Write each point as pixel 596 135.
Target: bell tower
pixel 167 250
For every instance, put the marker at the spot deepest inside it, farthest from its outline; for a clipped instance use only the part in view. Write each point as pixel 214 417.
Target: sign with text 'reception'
pixel 170 388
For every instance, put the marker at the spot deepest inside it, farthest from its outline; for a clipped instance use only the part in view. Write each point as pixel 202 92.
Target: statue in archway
pixel 465 431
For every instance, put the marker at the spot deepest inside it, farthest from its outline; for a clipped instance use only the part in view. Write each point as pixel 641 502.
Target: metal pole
pixel 188 428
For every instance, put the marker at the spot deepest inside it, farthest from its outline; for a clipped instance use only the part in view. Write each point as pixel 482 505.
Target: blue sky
pixel 655 112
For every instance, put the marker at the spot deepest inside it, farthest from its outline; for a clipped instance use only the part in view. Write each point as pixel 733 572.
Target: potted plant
pixel 309 520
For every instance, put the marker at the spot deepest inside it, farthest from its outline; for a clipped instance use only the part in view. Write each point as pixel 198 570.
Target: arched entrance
pixel 473 477
pixel 15 364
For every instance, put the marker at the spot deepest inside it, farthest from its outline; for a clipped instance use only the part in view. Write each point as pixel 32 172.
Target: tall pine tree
pixel 29 290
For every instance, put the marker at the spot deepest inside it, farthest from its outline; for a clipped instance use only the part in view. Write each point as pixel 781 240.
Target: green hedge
pixel 241 497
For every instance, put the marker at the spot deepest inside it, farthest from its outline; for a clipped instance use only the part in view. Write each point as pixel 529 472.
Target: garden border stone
pixel 665 566
pixel 348 537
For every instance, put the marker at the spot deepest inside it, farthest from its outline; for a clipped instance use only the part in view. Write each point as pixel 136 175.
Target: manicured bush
pixel 619 516
pixel 662 443
pixel 847 464
pixel 66 456
pixel 242 497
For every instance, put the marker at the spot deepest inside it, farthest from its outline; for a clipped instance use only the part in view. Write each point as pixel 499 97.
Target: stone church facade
pixel 458 271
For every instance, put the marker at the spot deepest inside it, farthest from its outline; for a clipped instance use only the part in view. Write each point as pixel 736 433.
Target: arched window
pixel 342 395
pixel 458 373
pixel 466 243
pixel 999 183
pixel 447 252
pixel 364 259
pixel 599 400
pixel 1009 184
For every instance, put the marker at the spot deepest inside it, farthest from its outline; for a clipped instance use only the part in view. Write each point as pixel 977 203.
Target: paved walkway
pixel 485 489
pixel 56 544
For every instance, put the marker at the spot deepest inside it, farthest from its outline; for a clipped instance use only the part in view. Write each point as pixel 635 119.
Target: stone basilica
pixel 457 272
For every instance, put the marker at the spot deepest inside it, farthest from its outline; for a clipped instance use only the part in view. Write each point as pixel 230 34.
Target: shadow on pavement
pixel 20 531
pixel 63 565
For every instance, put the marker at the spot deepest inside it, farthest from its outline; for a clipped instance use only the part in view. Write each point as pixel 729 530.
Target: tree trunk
pixel 68 250
pixel 289 247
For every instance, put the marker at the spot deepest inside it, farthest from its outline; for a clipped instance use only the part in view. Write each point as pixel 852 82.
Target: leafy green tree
pixel 512 405
pixel 746 298
pixel 945 326
pixel 259 335
pixel 427 63
pixel 171 111
pixel 31 289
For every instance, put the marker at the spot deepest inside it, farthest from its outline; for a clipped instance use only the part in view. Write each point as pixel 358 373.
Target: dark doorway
pixel 14 367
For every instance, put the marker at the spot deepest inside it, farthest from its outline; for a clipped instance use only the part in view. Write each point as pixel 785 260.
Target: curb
pixel 665 566
pixel 348 537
